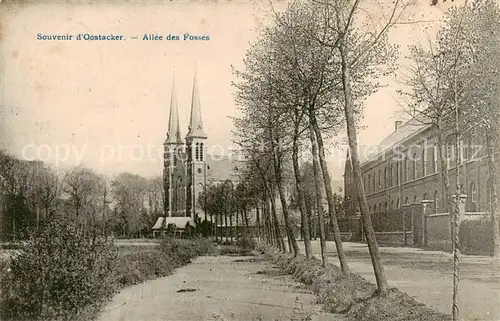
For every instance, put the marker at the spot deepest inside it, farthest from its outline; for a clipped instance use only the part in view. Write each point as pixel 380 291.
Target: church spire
pixel 196 123
pixel 174 131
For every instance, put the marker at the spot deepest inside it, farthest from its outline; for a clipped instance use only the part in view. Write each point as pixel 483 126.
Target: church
pixel 184 167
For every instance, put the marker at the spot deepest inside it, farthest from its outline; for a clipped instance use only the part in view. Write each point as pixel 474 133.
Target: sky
pixel 105 104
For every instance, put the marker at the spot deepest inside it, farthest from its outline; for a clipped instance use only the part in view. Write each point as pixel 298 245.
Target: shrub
pixel 139 264
pixel 246 244
pixel 10 246
pixel 59 274
pixel 182 251
pixel 476 237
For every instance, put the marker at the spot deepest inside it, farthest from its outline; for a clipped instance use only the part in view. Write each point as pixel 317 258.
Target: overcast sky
pixel 106 103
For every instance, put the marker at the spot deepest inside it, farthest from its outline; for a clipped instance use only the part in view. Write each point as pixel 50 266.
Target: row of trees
pixel 240 208
pixel 307 76
pixel 304 82
pixel 229 205
pixel 33 192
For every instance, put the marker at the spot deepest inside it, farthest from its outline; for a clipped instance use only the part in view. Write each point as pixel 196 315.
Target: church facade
pixel 185 165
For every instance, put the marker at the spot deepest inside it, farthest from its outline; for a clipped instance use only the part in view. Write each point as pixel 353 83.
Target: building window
pixel 379 179
pixel 397 203
pixel 425 197
pixel 373 179
pixel 385 177
pixel 405 175
pixel 436 202
pixel 450 149
pixel 390 174
pixel 369 208
pixel 473 198
pixel 197 151
pixel 406 200
pixel 201 151
pixel 398 173
pixel 473 192
pixel 414 162
pixel 369 180
pixel 414 199
pixel 434 159
pixel 424 155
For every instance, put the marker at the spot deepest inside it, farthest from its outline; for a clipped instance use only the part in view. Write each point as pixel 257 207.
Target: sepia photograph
pixel 227 160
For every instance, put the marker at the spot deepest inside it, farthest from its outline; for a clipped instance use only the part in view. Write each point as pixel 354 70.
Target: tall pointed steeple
pixel 174 131
pixel 196 122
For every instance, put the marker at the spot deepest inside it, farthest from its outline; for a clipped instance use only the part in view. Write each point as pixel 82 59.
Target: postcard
pixel 249 160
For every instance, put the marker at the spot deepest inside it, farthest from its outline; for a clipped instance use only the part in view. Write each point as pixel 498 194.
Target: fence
pixel 388 227
pixel 390 221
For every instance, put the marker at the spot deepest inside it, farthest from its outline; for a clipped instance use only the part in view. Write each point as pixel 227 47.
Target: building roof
pixel 404 132
pixel 196 122
pixel 174 131
pixel 180 222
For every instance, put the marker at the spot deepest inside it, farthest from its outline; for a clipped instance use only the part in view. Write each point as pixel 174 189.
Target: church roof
pixel 174 131
pixel 196 122
pixel 180 222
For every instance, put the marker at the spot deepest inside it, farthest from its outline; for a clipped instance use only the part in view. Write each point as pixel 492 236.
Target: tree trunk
pixel 329 194
pixel 319 201
pixel 247 228
pixel 304 222
pixel 237 223
pixel 267 214
pixel 358 178
pixel 456 208
pixel 257 218
pixel 212 226
pixel 265 227
pixel 221 230
pixel 226 233
pixel 270 225
pixel 494 200
pixel 284 207
pixel 310 217
pixel 277 230
pixel 231 226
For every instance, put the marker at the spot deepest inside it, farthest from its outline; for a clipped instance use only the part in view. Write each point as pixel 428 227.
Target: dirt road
pixel 217 288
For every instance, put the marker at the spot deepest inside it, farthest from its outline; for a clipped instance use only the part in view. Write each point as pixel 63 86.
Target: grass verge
pixel 350 294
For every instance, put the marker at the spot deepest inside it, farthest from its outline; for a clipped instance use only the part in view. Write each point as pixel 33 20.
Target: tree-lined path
pixel 216 288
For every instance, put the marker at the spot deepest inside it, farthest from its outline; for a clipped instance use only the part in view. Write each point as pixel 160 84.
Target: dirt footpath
pixel 217 288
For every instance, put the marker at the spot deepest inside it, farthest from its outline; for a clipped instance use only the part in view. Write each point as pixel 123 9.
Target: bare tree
pixel 356 47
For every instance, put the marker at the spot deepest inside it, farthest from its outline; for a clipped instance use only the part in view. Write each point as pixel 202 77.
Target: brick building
pixel 404 169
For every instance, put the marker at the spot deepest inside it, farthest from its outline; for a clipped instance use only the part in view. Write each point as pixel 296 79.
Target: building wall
pixel 391 179
pixel 175 181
